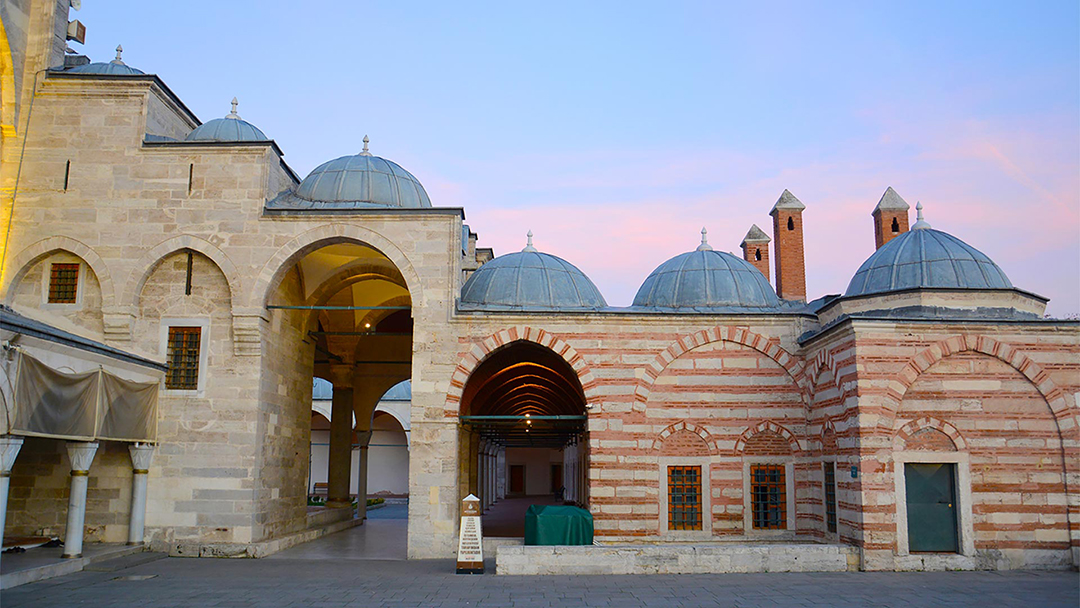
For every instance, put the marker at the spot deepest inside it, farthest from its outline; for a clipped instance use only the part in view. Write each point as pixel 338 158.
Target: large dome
pixel 530 279
pixel 230 128
pixel 924 257
pixel 705 278
pixel 363 180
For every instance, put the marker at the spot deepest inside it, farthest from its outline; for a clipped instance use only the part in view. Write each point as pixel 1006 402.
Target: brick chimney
pixel 890 217
pixel 755 249
pixel 788 234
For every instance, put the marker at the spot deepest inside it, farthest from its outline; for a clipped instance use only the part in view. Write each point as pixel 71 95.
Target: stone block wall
pixel 40 485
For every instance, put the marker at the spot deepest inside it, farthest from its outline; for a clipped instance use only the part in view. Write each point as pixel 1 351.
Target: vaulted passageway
pixel 523 434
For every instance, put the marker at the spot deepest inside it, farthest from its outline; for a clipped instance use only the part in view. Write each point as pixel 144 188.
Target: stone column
pixel 141 455
pixel 80 455
pixel 361 475
pixel 337 475
pixel 9 449
pixel 500 473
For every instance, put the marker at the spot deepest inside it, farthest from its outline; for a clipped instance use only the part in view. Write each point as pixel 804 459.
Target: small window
pixel 757 255
pixel 63 283
pixel 769 494
pixel 895 226
pixel 830 496
pixel 684 498
pixel 790 224
pixel 183 358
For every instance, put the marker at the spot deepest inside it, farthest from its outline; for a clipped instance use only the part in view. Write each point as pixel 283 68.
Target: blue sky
pixel 616 130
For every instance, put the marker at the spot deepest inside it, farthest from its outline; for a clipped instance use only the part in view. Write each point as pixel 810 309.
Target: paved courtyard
pixel 349 570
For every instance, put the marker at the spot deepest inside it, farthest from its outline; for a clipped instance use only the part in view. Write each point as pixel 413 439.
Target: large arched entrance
pixel 341 312
pixel 523 435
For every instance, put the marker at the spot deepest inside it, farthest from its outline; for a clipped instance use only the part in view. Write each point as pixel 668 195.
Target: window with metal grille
pixel 183 358
pixel 769 495
pixel 830 496
pixel 684 498
pixel 63 283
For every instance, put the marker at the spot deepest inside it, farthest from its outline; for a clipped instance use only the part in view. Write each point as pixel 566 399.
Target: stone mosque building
pixel 171 288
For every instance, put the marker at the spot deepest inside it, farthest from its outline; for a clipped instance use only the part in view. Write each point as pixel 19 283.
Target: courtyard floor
pixel 350 569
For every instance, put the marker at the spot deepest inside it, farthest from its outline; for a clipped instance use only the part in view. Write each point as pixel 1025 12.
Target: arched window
pixel 757 255
pixel 895 225
pixel 790 224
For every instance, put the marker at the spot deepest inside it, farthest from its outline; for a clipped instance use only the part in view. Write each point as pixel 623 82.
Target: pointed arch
pixel 481 351
pixel 767 427
pixel 153 257
pixel 282 260
pixel 684 426
pixel 1054 396
pixel 771 348
pixel 32 254
pixel 929 422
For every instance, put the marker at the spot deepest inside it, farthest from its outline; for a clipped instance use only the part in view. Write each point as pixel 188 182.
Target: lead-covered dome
pixel 363 180
pixel 530 279
pixel 230 128
pixel 114 67
pixel 923 257
pixel 705 278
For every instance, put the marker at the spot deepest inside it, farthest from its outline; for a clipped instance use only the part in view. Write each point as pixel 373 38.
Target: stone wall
pixel 41 481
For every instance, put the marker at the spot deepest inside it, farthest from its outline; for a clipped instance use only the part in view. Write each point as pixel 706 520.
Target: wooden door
pixel 556 479
pixel 517 479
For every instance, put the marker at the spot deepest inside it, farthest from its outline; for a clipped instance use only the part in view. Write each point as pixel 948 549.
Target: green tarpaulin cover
pixel 554 525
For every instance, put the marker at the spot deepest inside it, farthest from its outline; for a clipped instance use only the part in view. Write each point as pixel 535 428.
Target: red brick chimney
pixel 788 234
pixel 755 249
pixel 890 217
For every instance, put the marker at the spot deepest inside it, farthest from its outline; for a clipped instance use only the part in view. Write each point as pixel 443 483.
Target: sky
pixel 615 131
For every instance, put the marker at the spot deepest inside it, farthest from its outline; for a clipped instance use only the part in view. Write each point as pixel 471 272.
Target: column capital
pixel 141 455
pixel 9 449
pixel 363 438
pixel 81 455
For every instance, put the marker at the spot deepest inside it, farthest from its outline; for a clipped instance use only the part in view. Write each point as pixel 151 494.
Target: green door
pixel 931 507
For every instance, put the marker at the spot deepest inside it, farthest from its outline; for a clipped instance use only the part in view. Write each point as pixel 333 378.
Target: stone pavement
pixel 337 572
pixel 224 583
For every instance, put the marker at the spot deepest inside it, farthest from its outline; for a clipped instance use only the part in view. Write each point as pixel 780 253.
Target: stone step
pixel 125 562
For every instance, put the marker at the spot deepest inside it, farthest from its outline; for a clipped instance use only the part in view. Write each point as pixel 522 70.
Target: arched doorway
pixel 340 311
pixel 523 435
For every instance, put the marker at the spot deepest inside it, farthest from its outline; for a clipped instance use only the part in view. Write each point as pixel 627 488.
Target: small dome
pixel 230 128
pixel 531 279
pixel 705 278
pixel 924 257
pixel 363 179
pixel 114 67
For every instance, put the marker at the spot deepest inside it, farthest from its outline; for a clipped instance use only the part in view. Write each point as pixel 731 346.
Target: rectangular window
pixel 830 496
pixel 63 283
pixel 769 494
pixel 684 498
pixel 183 358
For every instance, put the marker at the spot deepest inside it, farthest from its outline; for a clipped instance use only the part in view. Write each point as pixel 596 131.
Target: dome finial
pixel 920 223
pixel 704 246
pixel 233 114
pixel 119 50
pixel 529 246
pixel 365 151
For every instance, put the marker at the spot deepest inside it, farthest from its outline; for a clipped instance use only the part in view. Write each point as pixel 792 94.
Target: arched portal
pixel 523 435
pixel 339 310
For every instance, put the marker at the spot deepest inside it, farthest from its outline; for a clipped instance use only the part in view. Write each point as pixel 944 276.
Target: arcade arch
pixel 338 309
pixel 523 429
